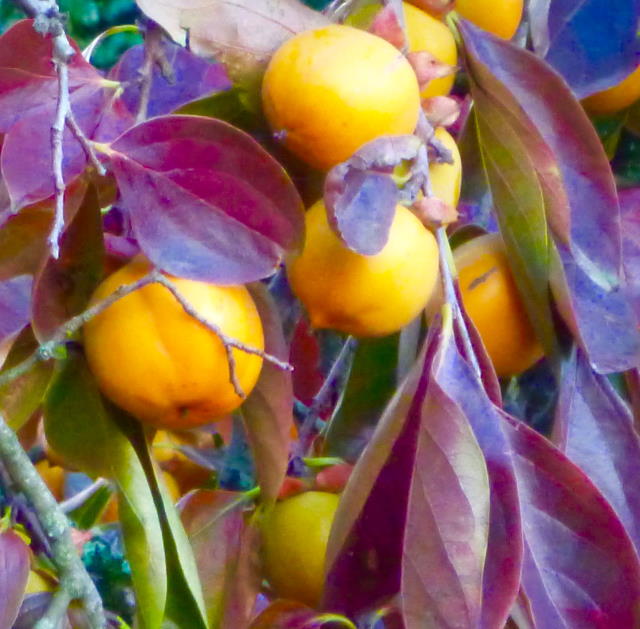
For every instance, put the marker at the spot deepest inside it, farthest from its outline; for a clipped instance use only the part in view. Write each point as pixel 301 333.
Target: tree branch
pixel 75 582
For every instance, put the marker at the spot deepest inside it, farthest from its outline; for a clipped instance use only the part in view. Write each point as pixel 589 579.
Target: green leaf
pixel 21 397
pixel 185 603
pixel 88 513
pixel 519 200
pixel 372 381
pixel 90 435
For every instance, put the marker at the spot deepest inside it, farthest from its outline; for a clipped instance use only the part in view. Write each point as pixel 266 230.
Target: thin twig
pixel 74 579
pixel 57 131
pixel 77 500
pixel 153 55
pixel 48 350
pixel 56 611
pixel 320 399
pixel 84 142
pixel 228 342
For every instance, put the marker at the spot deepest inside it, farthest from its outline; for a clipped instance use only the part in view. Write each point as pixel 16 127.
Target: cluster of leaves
pixel 457 513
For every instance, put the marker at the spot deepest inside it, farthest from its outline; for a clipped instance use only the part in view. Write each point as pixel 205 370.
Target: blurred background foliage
pixel 86 20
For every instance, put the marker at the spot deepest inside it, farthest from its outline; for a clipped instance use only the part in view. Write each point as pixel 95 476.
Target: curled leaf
pixel 360 194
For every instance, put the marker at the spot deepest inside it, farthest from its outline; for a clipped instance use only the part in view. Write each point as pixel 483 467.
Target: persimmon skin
pixel 500 17
pixel 446 179
pixel 295 537
pixel 616 98
pixel 425 32
pixel 491 300
pixel 364 295
pixel 161 365
pixel 328 91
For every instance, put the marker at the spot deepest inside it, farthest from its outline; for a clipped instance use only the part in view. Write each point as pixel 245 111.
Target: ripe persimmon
pixel 328 91
pixel 159 363
pixel 425 32
pixel 500 17
pixel 492 301
pixel 615 98
pixel 295 537
pixel 364 295
pixel 446 179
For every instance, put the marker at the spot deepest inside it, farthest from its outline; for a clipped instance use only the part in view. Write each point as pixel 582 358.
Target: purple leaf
pixel 630 209
pixel 580 570
pixel 423 481
pixel 28 80
pixel 192 77
pixel 15 305
pixel 205 200
pixel 360 194
pixel 594 428
pixel 501 580
pixel 579 193
pixel 28 100
pixel 14 572
pixel 63 286
pixel 268 411
pixel 589 42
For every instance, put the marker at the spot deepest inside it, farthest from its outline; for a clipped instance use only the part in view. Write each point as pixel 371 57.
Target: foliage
pixel 466 500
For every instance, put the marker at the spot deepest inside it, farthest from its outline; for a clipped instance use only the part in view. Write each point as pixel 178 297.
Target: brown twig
pixel 49 21
pixel 47 350
pixel 228 342
pixel 84 142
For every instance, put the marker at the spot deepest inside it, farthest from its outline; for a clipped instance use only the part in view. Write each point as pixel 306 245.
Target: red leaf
pixel 423 481
pixel 594 428
pixel 28 99
pixel 578 188
pixel 63 286
pixel 580 568
pixel 206 201
pixel 28 79
pixel 15 305
pixel 268 411
pixel 387 25
pixel 224 547
pixel 14 572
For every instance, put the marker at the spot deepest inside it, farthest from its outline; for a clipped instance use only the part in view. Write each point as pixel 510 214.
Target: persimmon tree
pixel 436 493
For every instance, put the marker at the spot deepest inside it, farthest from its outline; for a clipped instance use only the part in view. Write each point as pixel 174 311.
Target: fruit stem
pixel 75 582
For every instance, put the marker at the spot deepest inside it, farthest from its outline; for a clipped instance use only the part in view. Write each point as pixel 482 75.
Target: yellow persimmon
pixel 500 17
pixel 364 295
pixel 615 98
pixel 160 364
pixel 492 301
pixel 328 91
pixel 295 537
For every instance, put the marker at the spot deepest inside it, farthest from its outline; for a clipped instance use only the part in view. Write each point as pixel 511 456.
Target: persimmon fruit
pixel 492 301
pixel 295 536
pixel 425 32
pixel 328 91
pixel 500 17
pixel 363 295
pixel 616 98
pixel 160 364
pixel 445 178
